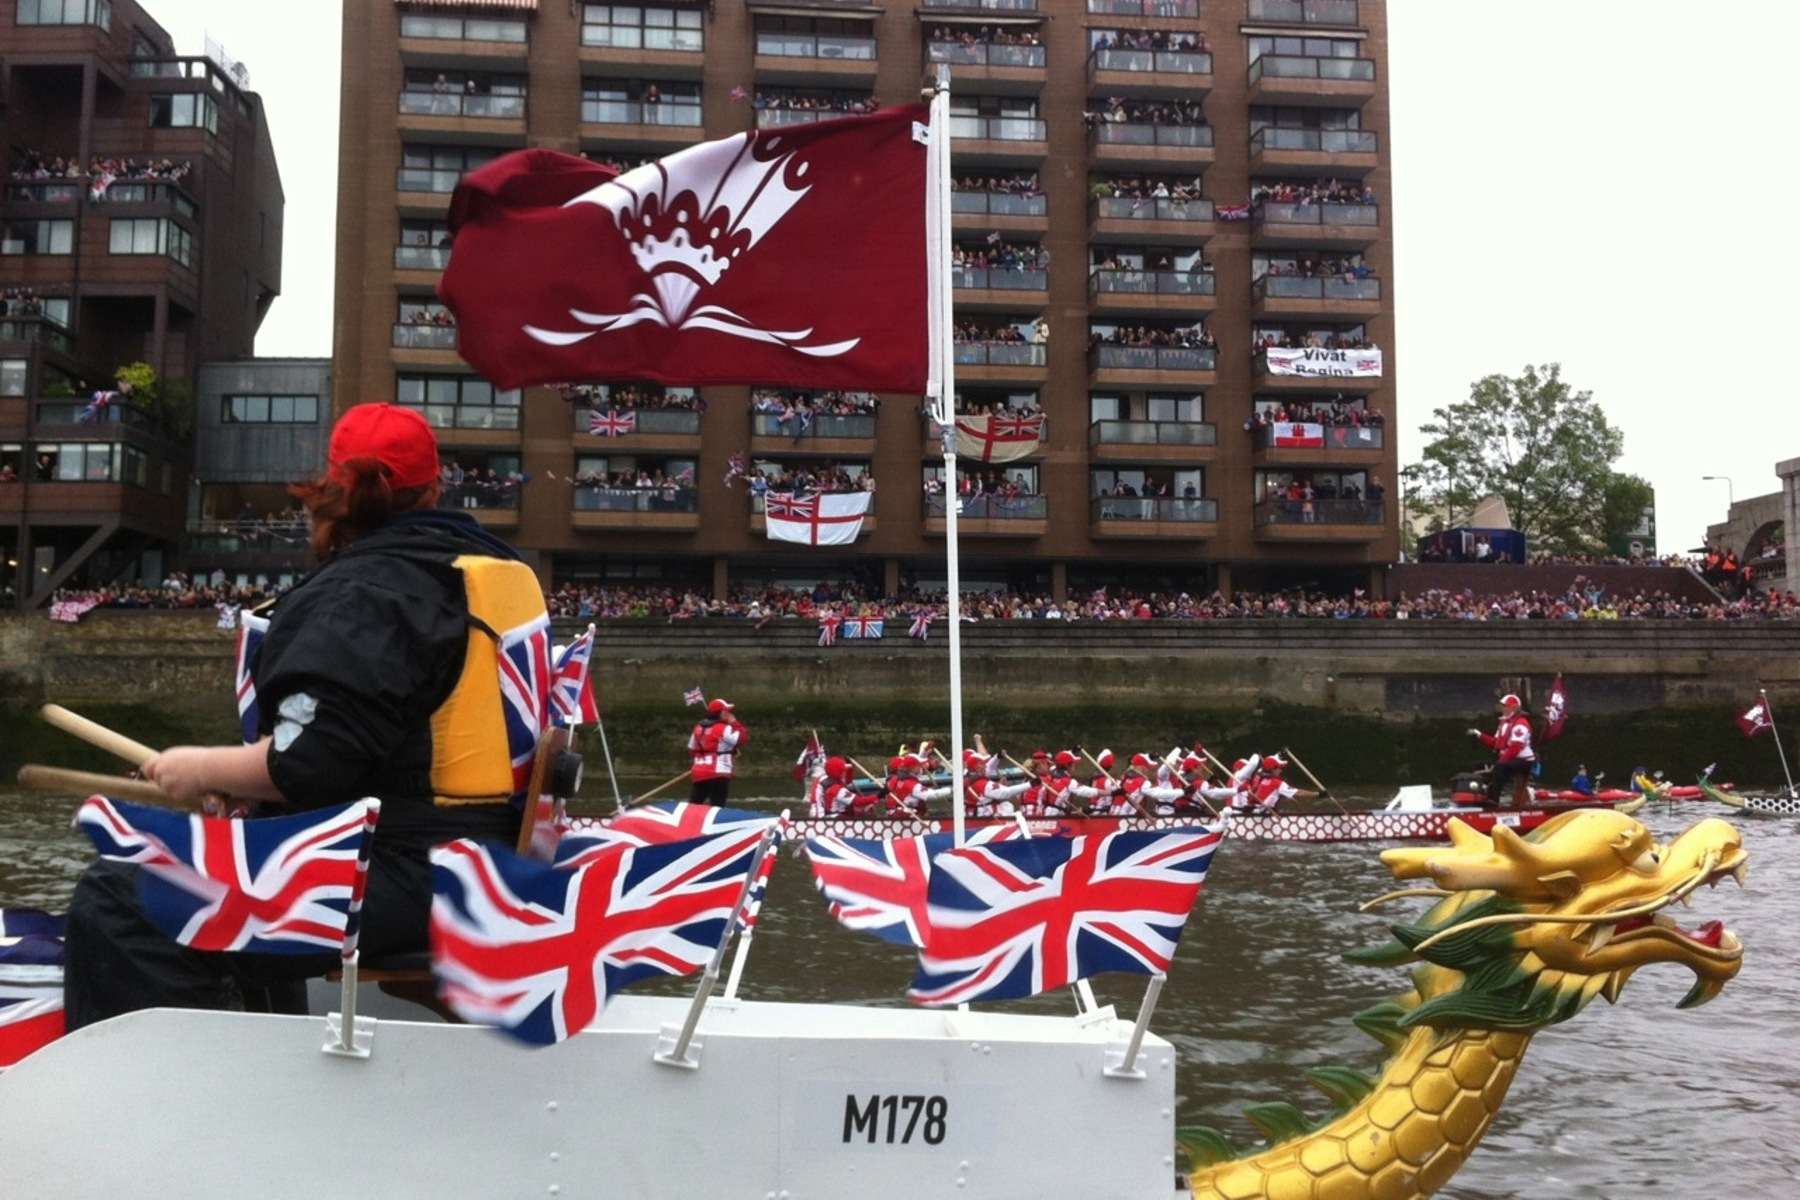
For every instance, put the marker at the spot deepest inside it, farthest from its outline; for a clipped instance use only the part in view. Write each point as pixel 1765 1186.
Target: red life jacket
pixel 714 745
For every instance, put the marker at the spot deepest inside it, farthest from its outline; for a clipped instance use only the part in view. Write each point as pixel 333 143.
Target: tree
pixel 168 400
pixel 1545 449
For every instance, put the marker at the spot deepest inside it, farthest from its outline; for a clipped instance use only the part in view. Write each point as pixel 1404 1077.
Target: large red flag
pixel 793 257
pixel 1756 718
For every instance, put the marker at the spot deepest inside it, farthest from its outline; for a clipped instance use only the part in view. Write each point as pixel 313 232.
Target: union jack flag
pixel 612 423
pixel 572 685
pixel 879 886
pixel 276 885
pixel 921 627
pixel 536 949
pixel 524 665
pixel 866 628
pixel 652 825
pixel 31 984
pixel 693 696
pixel 1012 920
pixel 828 629
pixel 251 631
pixel 759 885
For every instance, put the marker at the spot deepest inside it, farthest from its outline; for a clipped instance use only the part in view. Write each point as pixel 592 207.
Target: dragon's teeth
pixel 1739 872
pixel 1602 934
pixel 1687 899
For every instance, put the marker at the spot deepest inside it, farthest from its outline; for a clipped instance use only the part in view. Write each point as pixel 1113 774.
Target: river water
pixel 1633 1101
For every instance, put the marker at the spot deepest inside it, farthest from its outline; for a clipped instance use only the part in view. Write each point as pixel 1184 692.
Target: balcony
pixel 1338 13
pixel 992 516
pixel 998 139
pixel 816 59
pixel 759 521
pixel 425 191
pixel 991 66
pixel 1008 212
pixel 1329 297
pixel 993 6
pixel 1180 367
pixel 663 124
pixel 474 425
pixel 1152 441
pixel 1128 145
pixel 665 510
pixel 1185 9
pixel 1287 79
pixel 63 418
pixel 52 193
pixel 420 265
pixel 1111 290
pixel 1168 517
pixel 495 507
pixel 1000 362
pixel 1313 370
pixel 425 337
pixel 1283 520
pixel 1325 226
pixel 448 41
pixel 1338 152
pixel 1164 222
pixel 1119 72
pixel 1311 443
pixel 775 118
pixel 827 433
pixel 487 119
pixel 40 330
pixel 268 546
pixel 670 430
pixel 1007 288
pixel 666 52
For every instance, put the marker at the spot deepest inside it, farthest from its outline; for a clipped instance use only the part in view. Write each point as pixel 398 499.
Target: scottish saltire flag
pixel 524 665
pixel 274 885
pixel 653 825
pixel 1017 918
pixel 536 950
pixel 572 685
pixel 31 984
pixel 251 631
pixel 878 886
pixel 865 628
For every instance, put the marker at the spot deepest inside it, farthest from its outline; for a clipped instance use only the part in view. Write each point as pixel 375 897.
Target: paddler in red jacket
pixel 714 745
pixel 1514 758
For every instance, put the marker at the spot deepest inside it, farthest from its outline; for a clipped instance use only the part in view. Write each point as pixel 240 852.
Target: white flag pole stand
pixel 606 750
pixel 741 955
pixel 1127 1067
pixel 1776 731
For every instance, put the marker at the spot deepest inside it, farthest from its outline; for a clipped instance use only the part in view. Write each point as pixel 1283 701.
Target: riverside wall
pixel 1379 699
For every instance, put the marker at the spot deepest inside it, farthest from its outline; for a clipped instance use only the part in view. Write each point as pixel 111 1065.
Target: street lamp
pixel 1730 490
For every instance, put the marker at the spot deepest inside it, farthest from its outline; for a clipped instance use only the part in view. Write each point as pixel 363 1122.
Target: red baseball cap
pixel 397 438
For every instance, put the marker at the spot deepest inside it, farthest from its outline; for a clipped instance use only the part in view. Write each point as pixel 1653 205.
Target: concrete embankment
pixel 1362 702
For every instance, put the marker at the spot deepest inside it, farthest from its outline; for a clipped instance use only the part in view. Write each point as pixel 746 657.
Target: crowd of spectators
pixel 1002 484
pixel 178 591
pixel 1196 337
pixel 1151 39
pixel 1145 187
pixel 1322 266
pixel 1123 110
pixel 477 486
pixel 983 331
pixel 641 479
pixel 1016 184
pixel 21 302
pixel 991 408
pixel 984 35
pixel 773 402
pixel 101 171
pixel 1334 412
pixel 633 396
pixel 258 527
pixel 1311 191
pixel 807 479
pixel 424 314
pixel 1109 260
pixel 832 102
pixel 1288 340
pixel 996 255
pixel 1298 498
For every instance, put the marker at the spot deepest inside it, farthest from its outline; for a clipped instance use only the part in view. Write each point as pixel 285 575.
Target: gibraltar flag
pixel 1297 435
pixel 831 519
pixel 791 257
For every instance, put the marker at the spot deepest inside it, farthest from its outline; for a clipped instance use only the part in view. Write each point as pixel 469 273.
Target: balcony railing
pixel 1155 508
pixel 996 5
pixel 998 129
pixel 421 258
pixel 807 45
pixel 1328 141
pixel 773 118
pixel 652 37
pixel 1001 279
pixel 1122 133
pixel 468 416
pixel 46 192
pixel 1153 433
pixel 1294 66
pixel 822 425
pixel 1282 511
pixel 682 113
pixel 460 29
pixel 1169 62
pixel 636 500
pixel 427 179
pixel 984 54
pixel 1155 358
pixel 1336 437
pixel 259 537
pixel 1132 208
pixel 69 412
pixel 999 354
pixel 1315 287
pixel 458 104
pixel 685 421
pixel 425 337
pixel 999 204
pixel 479 495
pixel 1113 281
pixel 1304 12
pixel 1271 213
pixel 1144 8
pixel 37 329
pixel 993 508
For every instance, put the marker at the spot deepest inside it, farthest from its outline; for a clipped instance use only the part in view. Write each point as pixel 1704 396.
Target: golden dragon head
pixel 1529 929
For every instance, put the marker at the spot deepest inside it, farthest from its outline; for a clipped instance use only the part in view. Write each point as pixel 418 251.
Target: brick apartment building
pixel 1292 92
pixel 112 252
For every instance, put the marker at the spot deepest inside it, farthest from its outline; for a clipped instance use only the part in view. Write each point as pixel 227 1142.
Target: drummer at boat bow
pixel 1514 759
pixel 714 745
pixel 379 675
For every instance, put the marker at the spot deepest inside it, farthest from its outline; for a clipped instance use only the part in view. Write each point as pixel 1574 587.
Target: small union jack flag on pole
pixel 863 628
pixel 693 696
pixel 572 684
pixel 921 626
pixel 829 624
pixel 31 983
pixel 879 886
pixel 652 825
pixel 612 423
pixel 251 631
pixel 524 666
pixel 275 885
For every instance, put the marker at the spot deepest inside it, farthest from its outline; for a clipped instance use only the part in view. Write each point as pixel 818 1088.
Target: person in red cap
pixel 379 675
pixel 1268 789
pixel 1514 758
pixel 714 745
pixel 831 794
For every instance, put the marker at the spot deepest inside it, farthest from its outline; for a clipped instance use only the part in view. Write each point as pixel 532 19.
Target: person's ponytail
pixel 355 498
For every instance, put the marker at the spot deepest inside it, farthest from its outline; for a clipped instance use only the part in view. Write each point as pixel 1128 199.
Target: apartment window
pixel 184 110
pixel 437 168
pixel 91 462
pixel 1263 116
pixel 12 462
pixel 459 29
pixel 1305 47
pixel 150 235
pixel 641 27
pixel 269 410
pixel 425 233
pixel 14 374
pixel 458 402
pixel 38 237
pixel 66 12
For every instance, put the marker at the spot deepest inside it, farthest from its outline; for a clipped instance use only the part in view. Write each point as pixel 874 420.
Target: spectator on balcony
pixel 984 35
pixel 996 255
pixel 1012 185
pixel 1311 191
pixel 1120 110
pixel 1152 40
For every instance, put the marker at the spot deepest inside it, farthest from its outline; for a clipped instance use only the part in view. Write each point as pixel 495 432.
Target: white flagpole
pixel 1776 731
pixel 938 282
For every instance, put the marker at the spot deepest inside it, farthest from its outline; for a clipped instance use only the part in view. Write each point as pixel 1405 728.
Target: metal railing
pixel 999 204
pixel 1114 281
pixel 1124 133
pixel 427 179
pixel 999 354
pixel 1328 141
pixel 468 416
pixel 984 54
pixel 462 29
pixel 989 507
pixel 1170 62
pixel 676 499
pixel 1280 510
pixel 1305 12
pixel 640 37
pixel 1294 66
pixel 46 192
pixel 1155 358
pixel 773 118
pixel 997 5
pixel 1153 433
pixel 1188 509
pixel 998 129
pixel 421 258
pixel 837 47
pixel 685 421
pixel 1134 208
pixel 69 412
pixel 425 337
pixel 1314 287
pixel 822 425
pixel 1337 437
pixel 1271 212
pixel 1001 279
pixel 461 104
pixel 479 495
pixel 259 537
pixel 37 329
pixel 1144 8
pixel 681 113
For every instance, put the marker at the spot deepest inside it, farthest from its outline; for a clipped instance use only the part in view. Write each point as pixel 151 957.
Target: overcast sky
pixel 1566 178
